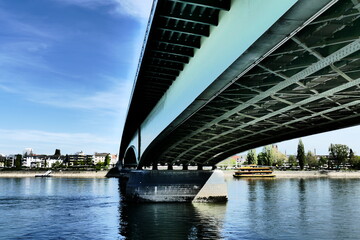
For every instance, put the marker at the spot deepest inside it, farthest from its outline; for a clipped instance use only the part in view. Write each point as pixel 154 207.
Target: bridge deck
pixel 307 84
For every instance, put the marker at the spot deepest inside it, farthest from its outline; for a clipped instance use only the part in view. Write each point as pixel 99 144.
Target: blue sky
pixel 66 73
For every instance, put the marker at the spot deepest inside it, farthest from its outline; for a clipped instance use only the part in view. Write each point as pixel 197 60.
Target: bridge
pixel 219 77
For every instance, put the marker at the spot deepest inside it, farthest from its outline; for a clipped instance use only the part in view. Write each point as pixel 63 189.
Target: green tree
pixel 301 154
pixel 88 160
pixel 99 165
pixel 261 158
pixel 8 163
pixel 356 162
pixel 251 157
pixel 338 153
pixel 56 164
pixel 292 161
pixel 278 157
pixel 107 160
pixel 322 161
pixel 67 160
pixel 351 157
pixel 18 161
pixel 267 156
pixel 311 160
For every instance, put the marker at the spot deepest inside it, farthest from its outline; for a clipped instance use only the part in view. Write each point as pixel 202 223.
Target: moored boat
pixel 253 171
pixel 47 174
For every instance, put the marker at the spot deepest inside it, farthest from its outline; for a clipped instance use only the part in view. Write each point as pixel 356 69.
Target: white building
pixel 99 157
pixel 2 160
pixel 114 159
pixel 30 161
pixel 40 161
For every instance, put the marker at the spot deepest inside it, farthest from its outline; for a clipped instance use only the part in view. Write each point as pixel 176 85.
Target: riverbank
pixel 59 174
pixel 308 174
pixel 227 173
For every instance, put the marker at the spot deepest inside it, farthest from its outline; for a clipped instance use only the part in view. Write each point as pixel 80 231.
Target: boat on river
pixel 47 174
pixel 253 171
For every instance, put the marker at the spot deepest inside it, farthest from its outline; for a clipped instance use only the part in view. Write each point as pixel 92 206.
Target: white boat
pixel 47 174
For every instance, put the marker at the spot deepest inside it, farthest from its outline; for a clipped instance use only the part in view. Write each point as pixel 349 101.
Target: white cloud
pixel 132 8
pixel 6 89
pixel 135 8
pixel 112 101
pixel 15 140
pixel 42 136
pixel 87 3
pixel 22 27
pixel 113 98
pixel 23 54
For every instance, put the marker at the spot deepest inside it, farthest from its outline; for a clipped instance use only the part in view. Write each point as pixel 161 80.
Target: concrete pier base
pixel 214 190
pixel 176 186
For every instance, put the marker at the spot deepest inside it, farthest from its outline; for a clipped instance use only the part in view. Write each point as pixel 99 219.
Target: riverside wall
pixel 60 174
pixel 307 174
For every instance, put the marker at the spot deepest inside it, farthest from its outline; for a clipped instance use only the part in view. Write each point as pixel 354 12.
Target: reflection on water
pixel 171 220
pixel 33 208
pixel 297 208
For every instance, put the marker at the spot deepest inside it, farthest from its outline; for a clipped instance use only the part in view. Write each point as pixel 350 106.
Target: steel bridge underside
pixel 308 83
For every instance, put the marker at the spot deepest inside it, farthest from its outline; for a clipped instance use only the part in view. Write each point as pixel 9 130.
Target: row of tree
pixel 340 156
pixel 269 156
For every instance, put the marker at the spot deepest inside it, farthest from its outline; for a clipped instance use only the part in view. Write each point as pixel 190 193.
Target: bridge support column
pixel 170 166
pixel 155 166
pixel 176 186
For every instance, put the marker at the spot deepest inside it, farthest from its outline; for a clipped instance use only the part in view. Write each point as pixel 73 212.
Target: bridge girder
pixel 174 32
pixel 310 83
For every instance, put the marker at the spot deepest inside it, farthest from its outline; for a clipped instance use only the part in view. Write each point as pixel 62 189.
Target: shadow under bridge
pixel 219 77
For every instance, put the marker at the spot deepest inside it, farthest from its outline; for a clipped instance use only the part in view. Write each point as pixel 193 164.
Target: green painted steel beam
pixel 174 52
pixel 167 66
pixel 201 30
pixel 181 42
pixel 338 55
pixel 206 20
pixel 213 4
pixel 168 59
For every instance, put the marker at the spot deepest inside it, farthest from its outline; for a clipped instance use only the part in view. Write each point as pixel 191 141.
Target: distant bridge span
pixel 218 77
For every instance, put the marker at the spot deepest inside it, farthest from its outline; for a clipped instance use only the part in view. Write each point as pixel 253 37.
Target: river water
pixel 60 208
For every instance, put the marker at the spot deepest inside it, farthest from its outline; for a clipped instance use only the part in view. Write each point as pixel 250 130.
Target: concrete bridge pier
pixel 175 186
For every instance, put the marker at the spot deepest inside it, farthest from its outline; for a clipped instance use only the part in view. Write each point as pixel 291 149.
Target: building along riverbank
pixel 59 174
